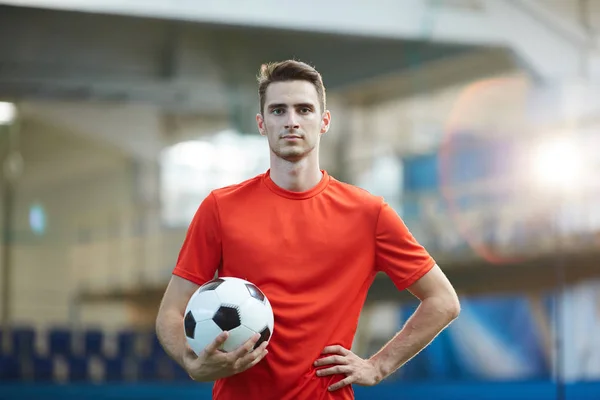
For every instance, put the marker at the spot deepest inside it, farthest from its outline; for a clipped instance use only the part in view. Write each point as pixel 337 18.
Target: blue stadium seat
pixel 179 373
pixel 164 368
pixel 10 369
pixel 147 370
pixel 126 343
pixel 93 342
pixel 43 369
pixel 114 369
pixel 60 342
pixel 23 342
pixel 78 369
pixel 156 349
pixel 152 369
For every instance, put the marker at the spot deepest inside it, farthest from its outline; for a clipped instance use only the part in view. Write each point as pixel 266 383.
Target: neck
pixel 295 176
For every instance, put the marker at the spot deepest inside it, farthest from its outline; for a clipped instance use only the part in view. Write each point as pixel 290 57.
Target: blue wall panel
pixel 421 173
pixel 466 160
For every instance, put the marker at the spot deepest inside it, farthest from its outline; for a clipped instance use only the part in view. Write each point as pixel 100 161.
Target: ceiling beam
pixel 399 19
pixel 552 48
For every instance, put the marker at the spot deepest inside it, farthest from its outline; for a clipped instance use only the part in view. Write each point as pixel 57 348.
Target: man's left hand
pixel 358 371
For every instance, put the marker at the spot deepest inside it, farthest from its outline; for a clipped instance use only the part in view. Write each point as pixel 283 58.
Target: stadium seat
pixel 43 369
pixel 114 369
pixel 179 373
pixel 164 368
pixel 10 369
pixel 23 342
pixel 147 370
pixel 126 343
pixel 60 342
pixel 78 369
pixel 93 343
pixel 156 349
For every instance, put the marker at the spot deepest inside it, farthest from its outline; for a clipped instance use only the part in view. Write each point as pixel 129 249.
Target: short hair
pixel 289 70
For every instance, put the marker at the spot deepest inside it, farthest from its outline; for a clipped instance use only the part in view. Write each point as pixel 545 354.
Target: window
pixel 191 169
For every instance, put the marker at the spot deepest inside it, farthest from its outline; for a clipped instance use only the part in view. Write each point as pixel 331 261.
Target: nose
pixel 291 122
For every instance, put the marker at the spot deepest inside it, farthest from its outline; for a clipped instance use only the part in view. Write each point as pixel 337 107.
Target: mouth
pixel 291 137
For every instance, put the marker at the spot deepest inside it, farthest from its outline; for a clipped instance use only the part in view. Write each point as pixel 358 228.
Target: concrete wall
pixel 75 180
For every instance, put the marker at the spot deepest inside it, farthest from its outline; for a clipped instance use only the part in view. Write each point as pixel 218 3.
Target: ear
pixel 325 121
pixel 260 122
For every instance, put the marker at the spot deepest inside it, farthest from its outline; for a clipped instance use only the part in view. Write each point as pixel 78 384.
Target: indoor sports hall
pixel 478 121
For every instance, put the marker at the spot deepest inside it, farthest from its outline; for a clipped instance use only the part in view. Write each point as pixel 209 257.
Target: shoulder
pixel 237 190
pixel 358 196
pixel 222 201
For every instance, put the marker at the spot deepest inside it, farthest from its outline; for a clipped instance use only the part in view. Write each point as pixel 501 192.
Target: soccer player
pixel 314 245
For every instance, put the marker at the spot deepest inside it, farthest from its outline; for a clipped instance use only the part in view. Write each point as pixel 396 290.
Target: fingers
pixel 249 357
pixel 331 360
pixel 217 343
pixel 256 356
pixel 338 385
pixel 245 348
pixel 243 356
pixel 336 349
pixel 252 357
pixel 338 369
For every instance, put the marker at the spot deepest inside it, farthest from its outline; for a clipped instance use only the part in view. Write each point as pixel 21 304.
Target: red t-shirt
pixel 314 254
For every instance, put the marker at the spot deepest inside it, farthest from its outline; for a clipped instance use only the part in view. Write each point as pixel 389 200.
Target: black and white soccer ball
pixel 227 304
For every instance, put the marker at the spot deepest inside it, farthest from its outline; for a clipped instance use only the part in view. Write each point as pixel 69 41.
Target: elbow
pixel 452 308
pixel 445 307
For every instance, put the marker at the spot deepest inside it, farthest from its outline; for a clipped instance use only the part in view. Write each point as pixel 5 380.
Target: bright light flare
pixel 558 164
pixel 8 113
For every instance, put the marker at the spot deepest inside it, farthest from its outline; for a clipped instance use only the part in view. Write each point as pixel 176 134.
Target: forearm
pixel 170 333
pixel 430 318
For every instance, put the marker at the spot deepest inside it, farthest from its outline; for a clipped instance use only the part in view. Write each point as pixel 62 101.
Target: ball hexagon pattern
pixel 227 304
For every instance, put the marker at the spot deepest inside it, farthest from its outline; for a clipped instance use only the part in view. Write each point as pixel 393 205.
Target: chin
pixel 291 155
pixel 292 152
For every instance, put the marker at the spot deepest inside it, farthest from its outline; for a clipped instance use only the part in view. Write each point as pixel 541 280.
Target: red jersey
pixel 314 254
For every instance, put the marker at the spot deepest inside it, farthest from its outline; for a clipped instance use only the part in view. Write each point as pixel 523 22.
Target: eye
pixel 277 111
pixel 305 110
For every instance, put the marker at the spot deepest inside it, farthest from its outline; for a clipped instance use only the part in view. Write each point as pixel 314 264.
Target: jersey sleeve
pixel 200 254
pixel 397 252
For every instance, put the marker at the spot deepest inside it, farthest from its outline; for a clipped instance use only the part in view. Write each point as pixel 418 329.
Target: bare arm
pixel 439 307
pixel 169 322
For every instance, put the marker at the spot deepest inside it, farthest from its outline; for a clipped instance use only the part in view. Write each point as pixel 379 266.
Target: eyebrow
pixel 282 105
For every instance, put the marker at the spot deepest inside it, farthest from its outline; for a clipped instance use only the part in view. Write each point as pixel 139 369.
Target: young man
pixel 313 245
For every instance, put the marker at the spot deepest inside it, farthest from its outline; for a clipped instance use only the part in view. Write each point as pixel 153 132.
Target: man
pixel 314 246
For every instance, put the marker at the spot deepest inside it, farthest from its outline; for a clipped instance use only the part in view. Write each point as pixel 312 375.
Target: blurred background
pixel 478 120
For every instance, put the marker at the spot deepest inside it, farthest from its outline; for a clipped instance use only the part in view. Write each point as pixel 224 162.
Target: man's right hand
pixel 213 364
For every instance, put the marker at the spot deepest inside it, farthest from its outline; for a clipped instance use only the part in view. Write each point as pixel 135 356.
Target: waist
pixel 268 382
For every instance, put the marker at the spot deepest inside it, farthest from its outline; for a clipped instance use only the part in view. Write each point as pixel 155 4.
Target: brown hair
pixel 289 70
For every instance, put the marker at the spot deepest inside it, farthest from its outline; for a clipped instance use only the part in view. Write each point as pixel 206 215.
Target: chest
pixel 296 246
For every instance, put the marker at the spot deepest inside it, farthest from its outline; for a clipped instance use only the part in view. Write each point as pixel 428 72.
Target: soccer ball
pixel 227 304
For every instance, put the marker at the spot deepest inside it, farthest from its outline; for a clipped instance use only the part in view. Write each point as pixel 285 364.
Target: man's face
pixel 292 119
